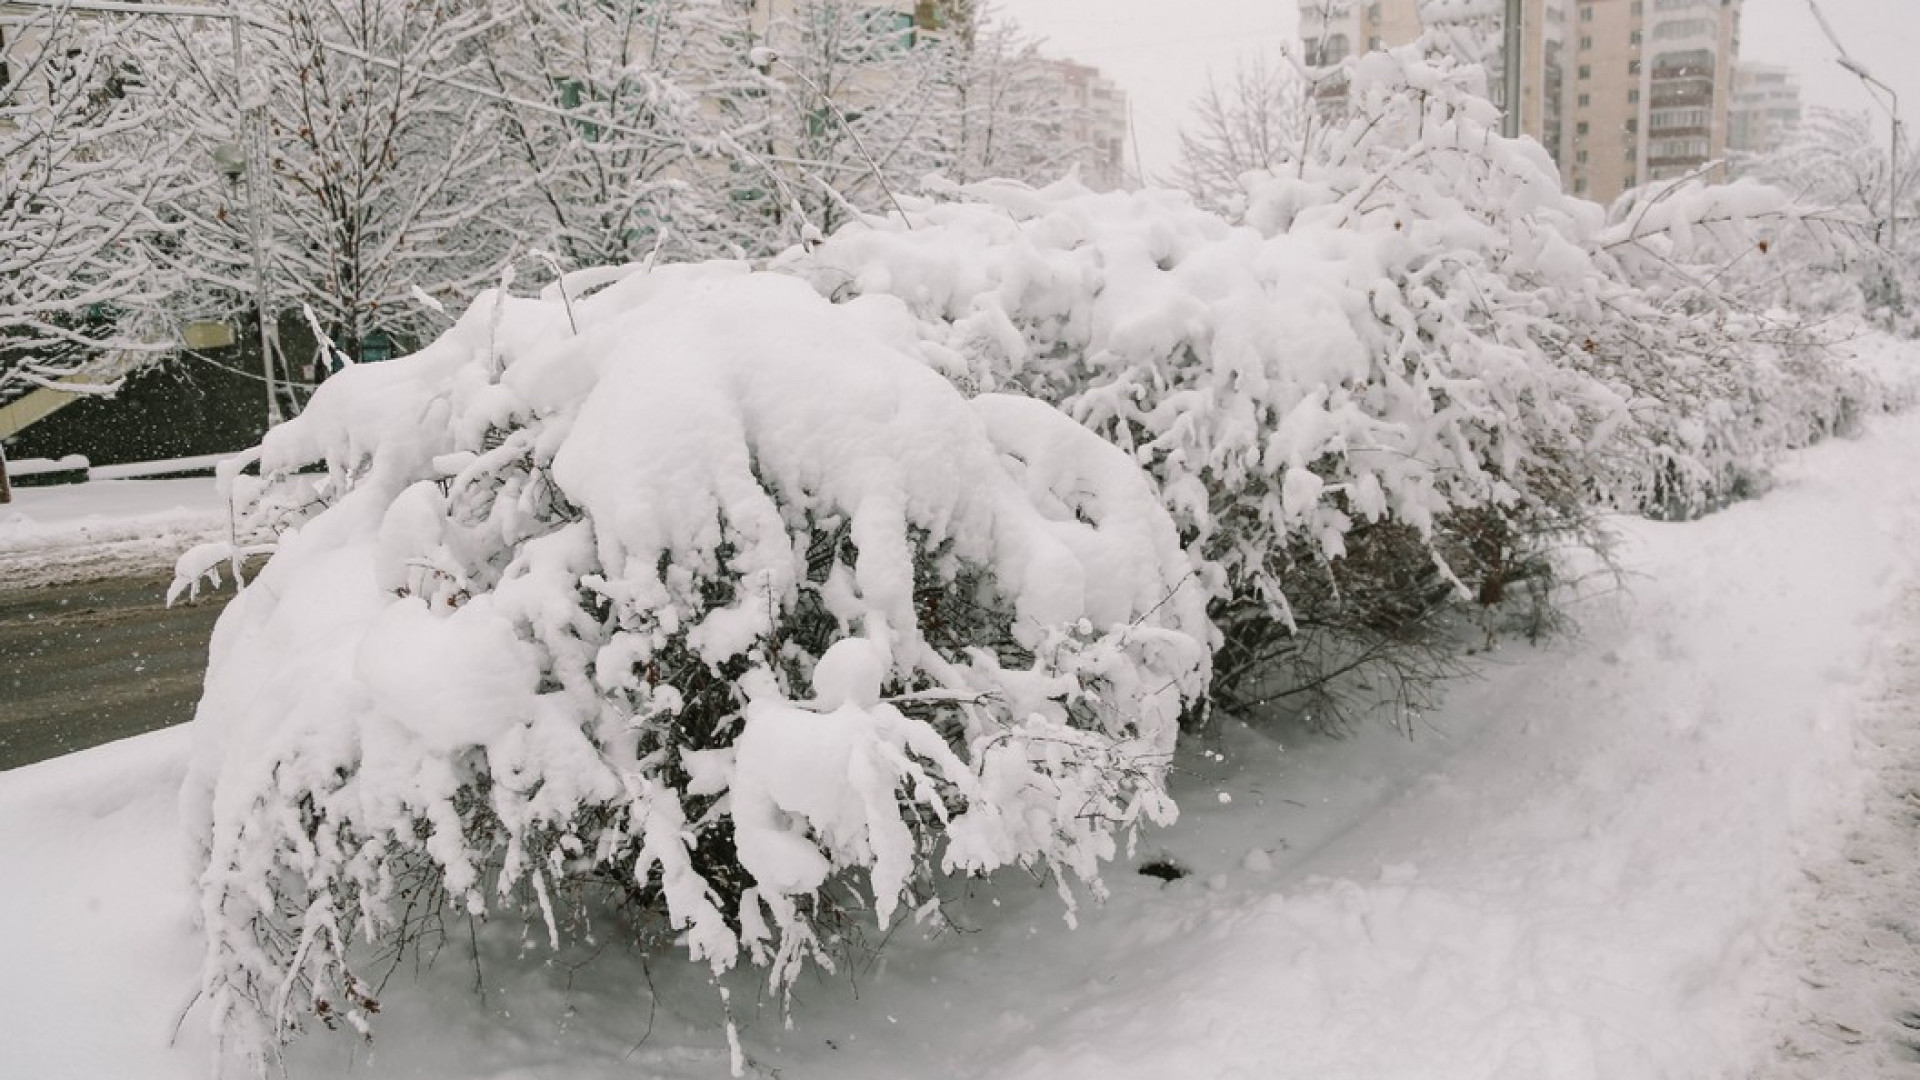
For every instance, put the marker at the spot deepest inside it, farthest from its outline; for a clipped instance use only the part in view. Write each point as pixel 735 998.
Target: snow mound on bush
pixel 700 586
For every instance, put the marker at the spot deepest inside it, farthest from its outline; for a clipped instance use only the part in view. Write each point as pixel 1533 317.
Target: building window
pixel 1580 128
pixel 1585 100
pixel 1637 7
pixel 1633 124
pixel 1579 185
pixel 1580 156
pixel 1631 153
pixel 1586 13
pixel 1633 97
pixel 1633 38
pixel 1586 41
pixel 1586 72
pixel 1633 66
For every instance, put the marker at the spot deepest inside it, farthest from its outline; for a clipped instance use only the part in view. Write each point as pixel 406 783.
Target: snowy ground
pixel 72 531
pixel 1682 844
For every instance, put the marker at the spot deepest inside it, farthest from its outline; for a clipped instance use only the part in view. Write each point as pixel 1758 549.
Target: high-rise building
pixel 1620 92
pixel 1766 108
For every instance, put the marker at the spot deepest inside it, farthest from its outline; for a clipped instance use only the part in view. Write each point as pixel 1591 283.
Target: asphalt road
pixel 90 661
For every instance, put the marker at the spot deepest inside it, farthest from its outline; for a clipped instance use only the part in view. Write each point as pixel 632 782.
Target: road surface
pixel 84 662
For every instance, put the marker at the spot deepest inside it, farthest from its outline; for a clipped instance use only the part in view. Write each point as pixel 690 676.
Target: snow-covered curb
pixel 104 527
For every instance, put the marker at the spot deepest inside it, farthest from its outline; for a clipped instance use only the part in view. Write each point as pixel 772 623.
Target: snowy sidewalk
pixel 1595 864
pixel 1852 1007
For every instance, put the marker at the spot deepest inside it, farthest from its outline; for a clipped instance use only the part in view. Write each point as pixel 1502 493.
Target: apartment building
pixel 1620 92
pixel 1765 109
pixel 1099 124
pixel 1336 29
pixel 1331 31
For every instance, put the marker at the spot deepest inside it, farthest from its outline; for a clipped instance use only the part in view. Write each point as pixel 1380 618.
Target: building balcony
pixel 1681 98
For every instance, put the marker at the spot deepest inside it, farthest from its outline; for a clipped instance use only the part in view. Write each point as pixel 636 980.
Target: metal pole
pixel 1510 73
pixel 256 177
pixel 1866 78
pixel 1893 183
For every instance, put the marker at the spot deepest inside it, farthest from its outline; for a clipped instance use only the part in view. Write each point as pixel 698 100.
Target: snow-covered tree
pixel 698 595
pixel 1839 161
pixel 852 113
pixel 638 147
pixel 382 180
pixel 1009 116
pixel 1253 121
pixel 89 164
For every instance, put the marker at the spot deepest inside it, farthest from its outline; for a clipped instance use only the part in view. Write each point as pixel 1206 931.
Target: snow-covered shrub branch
pixel 725 601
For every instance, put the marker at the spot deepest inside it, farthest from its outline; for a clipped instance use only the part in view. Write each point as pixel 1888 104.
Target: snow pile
pixel 699 589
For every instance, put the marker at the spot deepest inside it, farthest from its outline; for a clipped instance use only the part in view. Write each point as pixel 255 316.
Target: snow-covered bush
pixel 699 588
pixel 1728 338
pixel 1360 403
pixel 1409 371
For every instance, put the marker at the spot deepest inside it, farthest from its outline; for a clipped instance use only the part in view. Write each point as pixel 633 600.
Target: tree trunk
pixel 6 489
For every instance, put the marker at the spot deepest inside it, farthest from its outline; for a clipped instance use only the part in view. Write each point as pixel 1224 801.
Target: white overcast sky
pixel 1161 50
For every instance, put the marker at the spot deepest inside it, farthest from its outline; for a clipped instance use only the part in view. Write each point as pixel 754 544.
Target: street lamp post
pixel 254 168
pixel 1853 68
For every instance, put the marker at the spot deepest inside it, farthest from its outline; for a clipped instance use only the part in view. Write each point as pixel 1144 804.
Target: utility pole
pixel 255 174
pixel 1510 71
